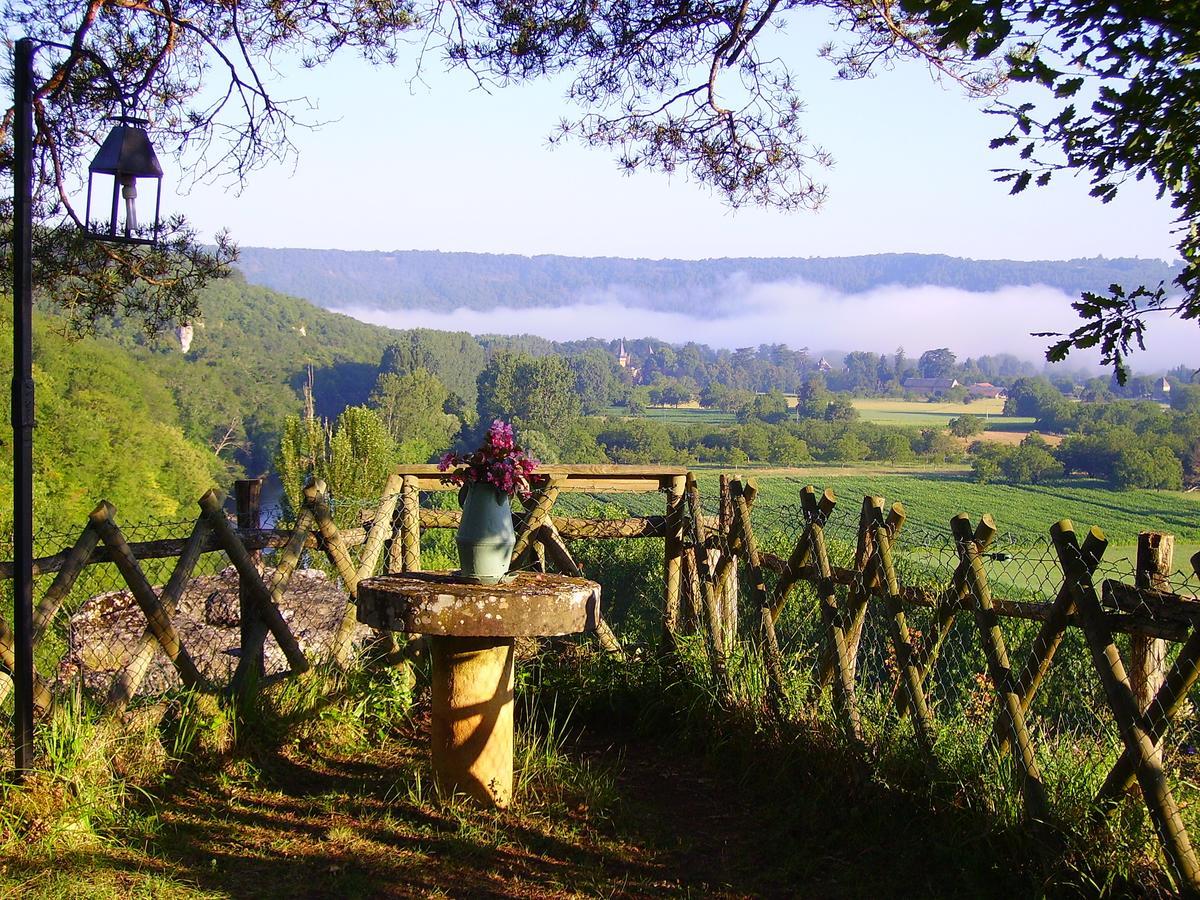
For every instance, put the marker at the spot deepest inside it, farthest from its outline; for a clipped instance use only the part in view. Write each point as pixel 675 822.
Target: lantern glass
pixel 126 157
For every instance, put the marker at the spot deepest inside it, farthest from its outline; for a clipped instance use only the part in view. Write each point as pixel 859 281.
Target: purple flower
pixel 498 462
pixel 500 435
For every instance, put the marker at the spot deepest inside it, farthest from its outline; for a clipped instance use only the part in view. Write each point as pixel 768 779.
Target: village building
pixel 625 361
pixel 985 389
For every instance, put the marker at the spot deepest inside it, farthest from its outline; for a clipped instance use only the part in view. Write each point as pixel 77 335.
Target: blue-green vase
pixel 485 535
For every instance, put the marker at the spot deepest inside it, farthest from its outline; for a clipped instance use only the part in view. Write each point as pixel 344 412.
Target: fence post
pixel 248 500
pixel 1156 792
pixel 728 588
pixel 410 523
pixel 1176 686
pixel 673 558
pixel 1147 655
pixel 970 547
pixel 910 677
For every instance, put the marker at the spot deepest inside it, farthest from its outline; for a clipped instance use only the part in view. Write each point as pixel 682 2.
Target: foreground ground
pixel 601 816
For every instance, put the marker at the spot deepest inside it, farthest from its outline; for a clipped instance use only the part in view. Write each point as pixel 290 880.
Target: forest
pixel 418 279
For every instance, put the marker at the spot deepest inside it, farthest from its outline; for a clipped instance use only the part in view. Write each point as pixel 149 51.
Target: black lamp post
pixel 126 155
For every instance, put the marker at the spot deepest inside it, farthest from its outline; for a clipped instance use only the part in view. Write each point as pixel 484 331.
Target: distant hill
pixel 418 279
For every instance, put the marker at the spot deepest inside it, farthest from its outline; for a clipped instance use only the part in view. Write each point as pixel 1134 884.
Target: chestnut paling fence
pixel 1068 675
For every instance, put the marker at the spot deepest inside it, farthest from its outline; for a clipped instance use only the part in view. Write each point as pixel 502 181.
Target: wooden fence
pixel 1142 709
pixel 700 563
pixel 389 533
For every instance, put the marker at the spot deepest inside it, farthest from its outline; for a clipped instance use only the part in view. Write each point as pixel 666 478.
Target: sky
pixel 443 165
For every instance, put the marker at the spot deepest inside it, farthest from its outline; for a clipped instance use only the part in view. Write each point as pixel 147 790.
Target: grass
pixel 682 415
pixel 931 498
pixel 631 779
pixel 327 795
pixel 925 414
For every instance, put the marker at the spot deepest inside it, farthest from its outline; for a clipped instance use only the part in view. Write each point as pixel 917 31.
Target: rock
pixel 222 609
pixel 106 630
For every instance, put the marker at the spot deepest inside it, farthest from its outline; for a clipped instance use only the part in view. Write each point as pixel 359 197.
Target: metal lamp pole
pixel 127 155
pixel 22 404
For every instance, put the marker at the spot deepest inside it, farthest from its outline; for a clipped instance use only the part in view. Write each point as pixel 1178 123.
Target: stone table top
pixel 531 604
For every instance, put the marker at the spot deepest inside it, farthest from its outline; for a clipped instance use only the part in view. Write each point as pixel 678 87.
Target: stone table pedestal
pixel 472 628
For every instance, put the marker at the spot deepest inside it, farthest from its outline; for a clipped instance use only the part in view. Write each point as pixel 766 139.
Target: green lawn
pixel 918 414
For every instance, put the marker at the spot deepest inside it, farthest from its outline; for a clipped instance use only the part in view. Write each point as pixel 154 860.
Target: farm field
pixel 913 413
pixel 922 414
pixel 1022 512
pixel 681 415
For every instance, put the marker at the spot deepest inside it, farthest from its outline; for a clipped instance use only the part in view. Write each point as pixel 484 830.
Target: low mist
pixel 807 315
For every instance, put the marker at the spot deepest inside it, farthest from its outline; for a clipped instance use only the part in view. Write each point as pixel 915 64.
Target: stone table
pixel 472 630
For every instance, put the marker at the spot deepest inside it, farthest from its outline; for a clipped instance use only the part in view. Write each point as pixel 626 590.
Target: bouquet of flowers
pixel 499 462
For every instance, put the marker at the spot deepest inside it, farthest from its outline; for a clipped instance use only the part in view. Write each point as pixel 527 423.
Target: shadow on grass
pixel 308 824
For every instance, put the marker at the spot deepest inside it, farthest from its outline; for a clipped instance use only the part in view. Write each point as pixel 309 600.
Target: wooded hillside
pixel 413 279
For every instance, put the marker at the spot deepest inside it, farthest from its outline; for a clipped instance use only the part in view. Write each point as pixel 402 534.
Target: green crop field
pixel 1021 511
pixel 922 414
pixel 916 413
pixel 679 416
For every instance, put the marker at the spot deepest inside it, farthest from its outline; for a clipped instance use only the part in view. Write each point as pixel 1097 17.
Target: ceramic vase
pixel 485 535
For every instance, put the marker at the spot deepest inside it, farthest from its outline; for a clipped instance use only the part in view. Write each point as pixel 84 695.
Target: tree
pixel 455 357
pixel 847 448
pixel 770 407
pixel 666 87
pixel 985 468
pixel 636 441
pixel 1029 464
pixel 352 456
pixel 1185 398
pixel 594 379
pixel 937 363
pixel 412 408
pixel 785 449
pixel 535 392
pixel 650 81
pixel 841 409
pixel 1154 468
pixel 891 445
pixel 966 425
pixel 1035 397
pixel 813 398
pixel 1121 99
pixel 546 394
pixel 862 371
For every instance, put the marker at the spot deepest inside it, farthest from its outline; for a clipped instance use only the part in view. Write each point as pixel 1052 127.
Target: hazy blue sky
pixel 445 166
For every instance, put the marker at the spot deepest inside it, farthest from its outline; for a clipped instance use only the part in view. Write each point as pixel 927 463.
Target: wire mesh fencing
pixel 132 612
pixel 963 645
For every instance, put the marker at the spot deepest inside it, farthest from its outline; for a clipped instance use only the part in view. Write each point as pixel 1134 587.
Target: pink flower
pixel 500 435
pixel 498 462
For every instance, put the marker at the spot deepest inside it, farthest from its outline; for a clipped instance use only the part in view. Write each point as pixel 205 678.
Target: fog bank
pixel 806 315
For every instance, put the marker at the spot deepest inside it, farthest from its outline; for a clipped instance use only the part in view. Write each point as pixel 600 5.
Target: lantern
pixel 127 156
